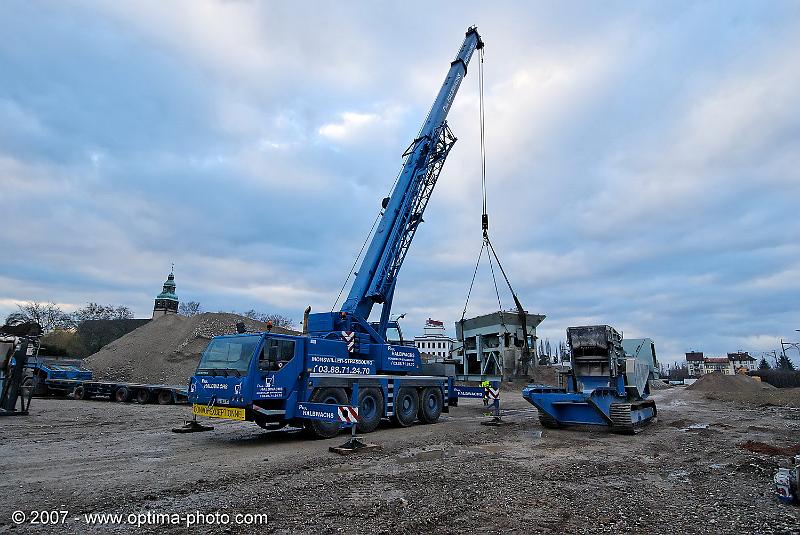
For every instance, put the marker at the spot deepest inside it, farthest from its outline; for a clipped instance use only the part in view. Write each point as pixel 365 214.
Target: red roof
pixel 694 356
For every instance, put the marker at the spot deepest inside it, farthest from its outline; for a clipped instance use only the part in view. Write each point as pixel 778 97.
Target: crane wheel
pixel 143 396
pixel 318 428
pixel 370 409
pixel 165 397
pixel 430 405
pixel 406 406
pixel 122 394
pixel 81 393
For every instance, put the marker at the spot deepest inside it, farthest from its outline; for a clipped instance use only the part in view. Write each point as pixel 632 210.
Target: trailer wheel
pixel 430 406
pixel 165 397
pixel 143 396
pixel 321 429
pixel 406 406
pixel 370 409
pixel 122 394
pixel 82 393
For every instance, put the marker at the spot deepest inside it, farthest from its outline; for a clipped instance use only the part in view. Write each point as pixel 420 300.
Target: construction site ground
pixel 688 473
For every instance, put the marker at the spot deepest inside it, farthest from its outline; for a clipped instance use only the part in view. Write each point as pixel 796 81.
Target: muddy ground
pixel 453 477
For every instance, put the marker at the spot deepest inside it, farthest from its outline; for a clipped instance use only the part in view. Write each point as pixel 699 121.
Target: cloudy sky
pixel 643 159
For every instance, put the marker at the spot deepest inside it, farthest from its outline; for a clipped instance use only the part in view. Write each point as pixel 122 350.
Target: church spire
pixel 167 301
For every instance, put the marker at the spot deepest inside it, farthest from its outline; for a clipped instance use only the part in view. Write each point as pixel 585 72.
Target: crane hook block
pixel 485 222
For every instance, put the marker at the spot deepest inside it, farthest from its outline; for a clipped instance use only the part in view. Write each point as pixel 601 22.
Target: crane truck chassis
pixel 275 380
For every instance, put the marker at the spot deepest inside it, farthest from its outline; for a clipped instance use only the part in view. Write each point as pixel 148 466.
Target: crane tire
pixel 370 409
pixel 406 406
pixel 318 428
pixel 430 405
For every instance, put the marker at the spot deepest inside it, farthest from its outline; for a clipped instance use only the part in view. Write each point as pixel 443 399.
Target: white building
pixel 694 363
pixel 740 362
pixel 434 345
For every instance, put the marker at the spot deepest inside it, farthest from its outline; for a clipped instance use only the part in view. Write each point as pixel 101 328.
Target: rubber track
pixel 621 417
pixel 547 421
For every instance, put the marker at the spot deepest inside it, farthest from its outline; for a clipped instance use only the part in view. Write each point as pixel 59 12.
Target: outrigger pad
pixel 191 426
pixel 354 445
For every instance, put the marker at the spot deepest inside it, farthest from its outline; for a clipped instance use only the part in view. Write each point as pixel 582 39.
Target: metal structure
pixel 17 344
pixel 605 385
pixel 277 380
pixel 787 482
pixel 492 345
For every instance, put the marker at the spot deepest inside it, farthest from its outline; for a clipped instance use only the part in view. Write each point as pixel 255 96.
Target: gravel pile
pixel 165 350
pixel 658 384
pixel 717 382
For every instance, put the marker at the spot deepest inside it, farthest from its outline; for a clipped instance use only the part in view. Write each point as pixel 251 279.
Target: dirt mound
pixel 760 447
pixel 717 382
pixel 165 350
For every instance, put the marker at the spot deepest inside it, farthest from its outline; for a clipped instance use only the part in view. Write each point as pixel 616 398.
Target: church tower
pixel 166 301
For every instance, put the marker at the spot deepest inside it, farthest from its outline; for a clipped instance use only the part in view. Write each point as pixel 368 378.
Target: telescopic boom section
pixel 403 210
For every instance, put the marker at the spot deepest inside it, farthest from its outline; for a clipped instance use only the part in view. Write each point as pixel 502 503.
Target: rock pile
pixel 165 350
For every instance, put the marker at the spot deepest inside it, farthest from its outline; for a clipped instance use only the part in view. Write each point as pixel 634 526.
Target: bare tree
pixel 49 316
pixel 93 311
pixel 190 308
pixel 277 320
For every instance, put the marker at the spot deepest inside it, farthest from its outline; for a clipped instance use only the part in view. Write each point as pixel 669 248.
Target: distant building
pixel 740 362
pixel 166 301
pixel 717 364
pixel 694 363
pixel 434 345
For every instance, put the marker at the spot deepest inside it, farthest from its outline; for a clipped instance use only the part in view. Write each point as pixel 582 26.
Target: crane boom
pixel 403 209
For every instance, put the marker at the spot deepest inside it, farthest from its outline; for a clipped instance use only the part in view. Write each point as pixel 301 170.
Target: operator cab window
pixel 276 354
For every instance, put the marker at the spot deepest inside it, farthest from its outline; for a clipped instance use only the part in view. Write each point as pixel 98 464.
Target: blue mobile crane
pixel 310 380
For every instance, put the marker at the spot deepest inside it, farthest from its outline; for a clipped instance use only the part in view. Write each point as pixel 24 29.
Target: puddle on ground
pixel 422 456
pixel 696 427
pixel 679 474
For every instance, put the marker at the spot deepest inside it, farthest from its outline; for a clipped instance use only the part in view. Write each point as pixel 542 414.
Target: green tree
pixel 764 365
pixel 784 363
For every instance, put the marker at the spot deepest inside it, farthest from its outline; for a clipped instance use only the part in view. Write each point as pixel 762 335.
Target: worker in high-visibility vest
pixel 485 385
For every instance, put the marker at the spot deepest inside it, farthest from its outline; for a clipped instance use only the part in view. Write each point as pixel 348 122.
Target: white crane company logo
pixel 401 354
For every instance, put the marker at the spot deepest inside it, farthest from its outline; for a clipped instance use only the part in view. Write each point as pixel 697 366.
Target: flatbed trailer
pixel 65 377
pixel 124 392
